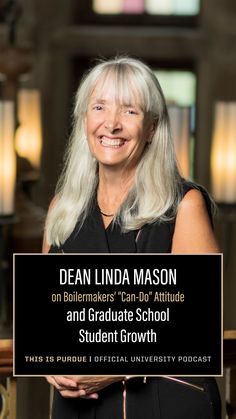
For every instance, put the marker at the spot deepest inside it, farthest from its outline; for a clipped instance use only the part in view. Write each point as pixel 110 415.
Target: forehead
pixel 121 90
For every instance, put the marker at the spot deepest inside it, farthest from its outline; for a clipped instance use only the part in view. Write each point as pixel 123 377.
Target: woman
pixel 121 191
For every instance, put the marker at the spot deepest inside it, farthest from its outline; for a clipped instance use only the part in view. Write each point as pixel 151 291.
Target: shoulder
pixel 192 209
pixel 193 228
pixel 188 186
pixel 195 195
pixel 53 202
pixel 193 199
pixel 46 246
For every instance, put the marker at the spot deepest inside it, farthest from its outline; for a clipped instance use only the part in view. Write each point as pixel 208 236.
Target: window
pixel 179 88
pixel 118 6
pixel 173 7
pixel 157 7
pixel 137 12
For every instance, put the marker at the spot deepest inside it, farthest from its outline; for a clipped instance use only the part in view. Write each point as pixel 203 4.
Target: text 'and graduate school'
pixel 117 314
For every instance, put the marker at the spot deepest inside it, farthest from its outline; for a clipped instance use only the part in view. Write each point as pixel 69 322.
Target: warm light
pixel 29 133
pixel 180 128
pixel 108 6
pixel 7 158
pixel 223 154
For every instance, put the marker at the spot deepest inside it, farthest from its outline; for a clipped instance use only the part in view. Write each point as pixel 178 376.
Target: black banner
pixel 117 314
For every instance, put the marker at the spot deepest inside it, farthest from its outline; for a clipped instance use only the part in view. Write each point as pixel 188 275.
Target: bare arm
pixel 193 231
pixel 46 246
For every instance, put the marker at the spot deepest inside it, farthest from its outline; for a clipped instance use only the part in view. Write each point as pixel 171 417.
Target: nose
pixel 113 121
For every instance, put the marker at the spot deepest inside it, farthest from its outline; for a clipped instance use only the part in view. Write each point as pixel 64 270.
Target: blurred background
pixel 45 47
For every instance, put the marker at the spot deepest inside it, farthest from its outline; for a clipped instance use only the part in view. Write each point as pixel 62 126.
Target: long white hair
pixel 157 187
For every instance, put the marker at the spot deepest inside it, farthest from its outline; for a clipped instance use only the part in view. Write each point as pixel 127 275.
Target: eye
pixel 98 107
pixel 131 112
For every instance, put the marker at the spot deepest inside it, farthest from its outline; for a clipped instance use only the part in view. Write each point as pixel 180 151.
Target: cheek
pixel 136 130
pixel 92 124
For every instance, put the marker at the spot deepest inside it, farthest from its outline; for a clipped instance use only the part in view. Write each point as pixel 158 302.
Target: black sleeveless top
pixel 158 398
pixel 151 238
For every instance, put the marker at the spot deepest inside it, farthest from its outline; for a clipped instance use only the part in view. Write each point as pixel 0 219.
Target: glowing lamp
pixel 7 158
pixel 223 153
pixel 29 132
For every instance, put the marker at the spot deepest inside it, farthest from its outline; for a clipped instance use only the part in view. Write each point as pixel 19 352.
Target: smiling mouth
pixel 112 142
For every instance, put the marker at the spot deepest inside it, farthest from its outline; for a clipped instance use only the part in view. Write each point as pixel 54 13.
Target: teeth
pixel 117 142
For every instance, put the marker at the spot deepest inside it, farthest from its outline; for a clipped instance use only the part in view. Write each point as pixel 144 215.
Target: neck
pixel 113 189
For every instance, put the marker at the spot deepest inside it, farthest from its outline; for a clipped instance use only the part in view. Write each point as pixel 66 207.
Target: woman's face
pixel 117 132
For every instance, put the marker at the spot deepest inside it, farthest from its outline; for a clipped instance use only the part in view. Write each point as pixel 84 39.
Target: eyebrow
pixel 98 100
pixel 103 101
